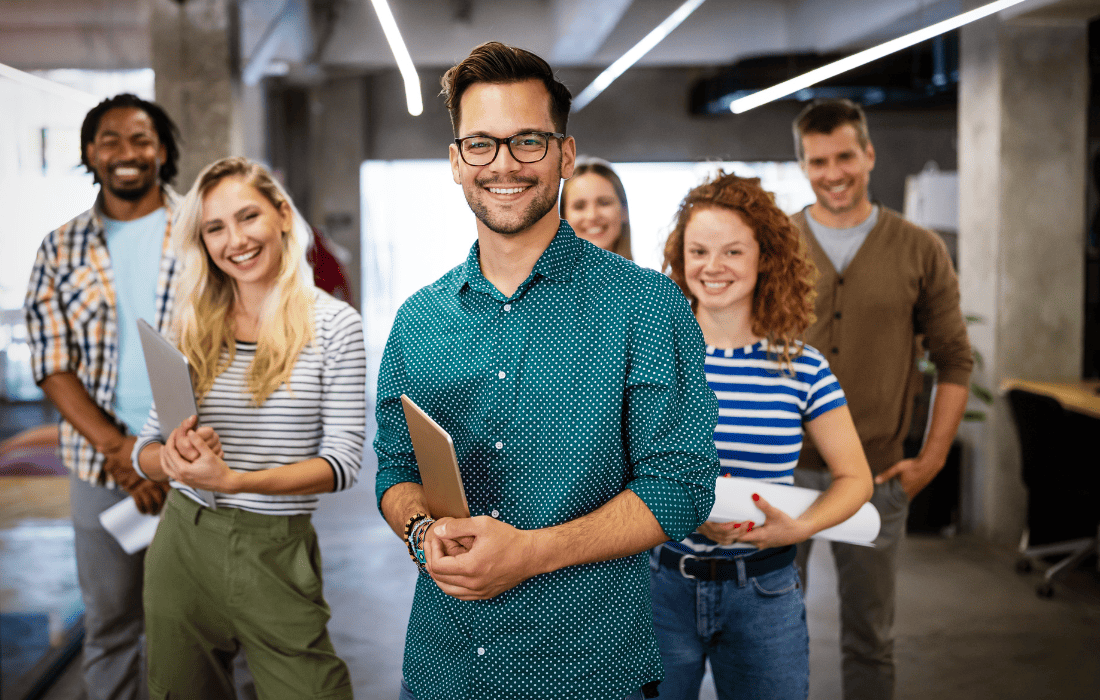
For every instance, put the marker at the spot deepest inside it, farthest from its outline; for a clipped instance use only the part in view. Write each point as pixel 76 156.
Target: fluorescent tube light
pixel 85 98
pixel 855 60
pixel 631 57
pixel 404 60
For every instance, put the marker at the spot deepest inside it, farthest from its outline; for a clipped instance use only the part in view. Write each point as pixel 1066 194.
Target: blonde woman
pixel 279 373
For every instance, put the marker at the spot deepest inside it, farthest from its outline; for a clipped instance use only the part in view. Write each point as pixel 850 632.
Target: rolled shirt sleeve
pixel 671 413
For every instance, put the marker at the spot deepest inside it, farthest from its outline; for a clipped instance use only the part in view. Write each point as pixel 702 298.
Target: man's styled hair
pixel 494 62
pixel 825 117
pixel 167 131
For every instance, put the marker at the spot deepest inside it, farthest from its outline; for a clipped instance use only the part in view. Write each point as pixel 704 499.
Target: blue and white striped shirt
pixel 761 410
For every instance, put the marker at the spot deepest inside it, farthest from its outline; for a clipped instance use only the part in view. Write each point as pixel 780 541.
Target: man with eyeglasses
pixel 572 383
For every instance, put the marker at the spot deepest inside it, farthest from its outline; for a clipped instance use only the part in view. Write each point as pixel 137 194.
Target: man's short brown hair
pixel 494 62
pixel 825 117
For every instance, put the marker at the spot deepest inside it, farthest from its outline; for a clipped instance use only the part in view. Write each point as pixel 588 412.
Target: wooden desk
pixel 1080 397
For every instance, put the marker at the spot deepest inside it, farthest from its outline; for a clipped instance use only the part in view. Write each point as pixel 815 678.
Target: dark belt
pixel 725 568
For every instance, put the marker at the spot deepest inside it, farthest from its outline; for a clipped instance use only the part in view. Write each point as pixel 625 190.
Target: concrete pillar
pixel 337 149
pixel 1023 101
pixel 195 58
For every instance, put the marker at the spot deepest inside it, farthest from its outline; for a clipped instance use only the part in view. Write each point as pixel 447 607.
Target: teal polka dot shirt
pixel 586 381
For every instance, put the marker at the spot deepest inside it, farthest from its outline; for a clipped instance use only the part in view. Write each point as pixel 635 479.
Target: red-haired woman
pixel 730 592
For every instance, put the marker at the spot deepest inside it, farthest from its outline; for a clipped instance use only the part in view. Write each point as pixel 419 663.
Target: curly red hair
pixel 783 301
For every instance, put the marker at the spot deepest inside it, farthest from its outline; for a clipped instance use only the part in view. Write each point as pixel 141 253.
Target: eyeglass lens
pixel 526 148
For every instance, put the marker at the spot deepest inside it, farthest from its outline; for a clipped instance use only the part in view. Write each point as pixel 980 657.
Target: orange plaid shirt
pixel 72 320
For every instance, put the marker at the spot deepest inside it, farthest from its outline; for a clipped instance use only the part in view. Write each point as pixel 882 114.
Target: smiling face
pixel 243 232
pixel 839 170
pixel 593 209
pixel 721 259
pixel 509 197
pixel 126 153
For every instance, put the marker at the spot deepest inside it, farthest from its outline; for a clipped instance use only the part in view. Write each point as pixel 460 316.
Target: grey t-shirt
pixel 841 244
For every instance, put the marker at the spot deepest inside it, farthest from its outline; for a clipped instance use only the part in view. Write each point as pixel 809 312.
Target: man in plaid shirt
pixel 93 278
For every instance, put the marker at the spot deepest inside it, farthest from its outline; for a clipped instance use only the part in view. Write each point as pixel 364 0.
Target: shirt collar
pixel 557 262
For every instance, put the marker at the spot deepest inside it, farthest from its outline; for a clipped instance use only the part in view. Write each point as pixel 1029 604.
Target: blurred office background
pixel 990 134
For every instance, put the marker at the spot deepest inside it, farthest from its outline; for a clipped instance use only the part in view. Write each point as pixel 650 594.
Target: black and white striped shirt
pixel 321 415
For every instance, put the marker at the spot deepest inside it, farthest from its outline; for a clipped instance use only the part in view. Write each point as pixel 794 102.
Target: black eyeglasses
pixel 528 147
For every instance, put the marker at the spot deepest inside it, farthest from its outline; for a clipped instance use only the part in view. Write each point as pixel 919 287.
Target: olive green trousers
pixel 218 580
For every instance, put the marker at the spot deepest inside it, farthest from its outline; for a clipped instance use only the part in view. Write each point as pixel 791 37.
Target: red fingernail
pixel 750 526
pixel 756 497
pixel 737 525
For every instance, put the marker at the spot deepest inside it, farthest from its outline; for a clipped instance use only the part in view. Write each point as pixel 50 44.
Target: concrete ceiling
pixel 345 34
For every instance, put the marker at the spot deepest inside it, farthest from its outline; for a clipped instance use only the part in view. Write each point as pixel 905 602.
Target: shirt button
pixel 835 351
pixel 501 374
pixel 481 651
pixel 836 315
pixel 500 445
pixel 495 513
pixel 840 280
pixel 507 307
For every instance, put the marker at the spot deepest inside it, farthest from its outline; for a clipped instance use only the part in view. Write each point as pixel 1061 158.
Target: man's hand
pixel 914 474
pixel 478 558
pixel 117 462
pixel 149 496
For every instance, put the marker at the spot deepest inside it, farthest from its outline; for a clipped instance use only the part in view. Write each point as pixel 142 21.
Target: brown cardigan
pixel 900 284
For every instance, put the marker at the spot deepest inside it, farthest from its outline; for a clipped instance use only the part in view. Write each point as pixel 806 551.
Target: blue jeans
pixel 407 694
pixel 753 631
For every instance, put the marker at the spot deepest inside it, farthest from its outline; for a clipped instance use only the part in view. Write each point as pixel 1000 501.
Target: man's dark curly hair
pixel 167 131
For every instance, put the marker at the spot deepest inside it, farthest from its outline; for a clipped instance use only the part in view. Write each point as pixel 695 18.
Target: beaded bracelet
pixel 409 524
pixel 416 541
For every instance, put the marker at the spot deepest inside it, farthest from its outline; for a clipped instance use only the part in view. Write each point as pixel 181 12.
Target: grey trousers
pixel 866 580
pixel 110 584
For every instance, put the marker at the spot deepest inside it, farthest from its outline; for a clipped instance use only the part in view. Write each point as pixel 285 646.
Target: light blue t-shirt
pixel 135 249
pixel 842 244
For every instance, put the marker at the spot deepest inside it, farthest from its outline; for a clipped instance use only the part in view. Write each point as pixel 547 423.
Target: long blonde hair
pixel 203 324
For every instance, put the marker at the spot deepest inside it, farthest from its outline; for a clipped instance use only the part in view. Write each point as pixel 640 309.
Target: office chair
pixel 1061 481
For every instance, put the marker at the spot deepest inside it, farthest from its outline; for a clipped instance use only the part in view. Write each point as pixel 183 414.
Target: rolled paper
pixel 133 529
pixel 733 502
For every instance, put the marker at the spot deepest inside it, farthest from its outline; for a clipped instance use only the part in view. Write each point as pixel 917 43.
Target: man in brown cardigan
pixel 884 281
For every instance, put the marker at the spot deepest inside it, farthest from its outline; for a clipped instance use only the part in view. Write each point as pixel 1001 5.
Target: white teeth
pixel 838 188
pixel 243 257
pixel 715 285
pixel 126 172
pixel 506 190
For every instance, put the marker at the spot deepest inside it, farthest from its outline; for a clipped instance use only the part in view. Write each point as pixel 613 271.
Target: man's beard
pixel 134 192
pixel 542 205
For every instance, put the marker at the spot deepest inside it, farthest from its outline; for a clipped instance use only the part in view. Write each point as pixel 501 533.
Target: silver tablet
pixel 435 457
pixel 170 378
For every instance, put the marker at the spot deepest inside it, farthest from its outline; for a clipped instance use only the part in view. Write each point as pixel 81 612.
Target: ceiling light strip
pixel 85 98
pixel 631 57
pixel 404 61
pixel 855 60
